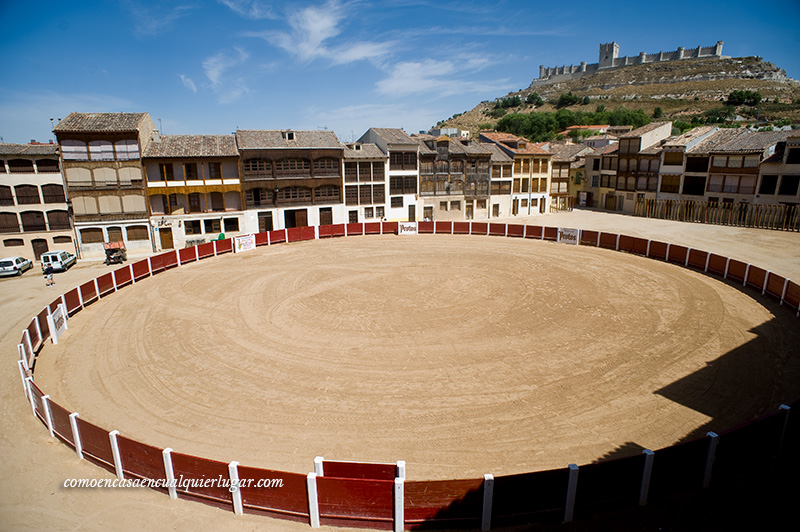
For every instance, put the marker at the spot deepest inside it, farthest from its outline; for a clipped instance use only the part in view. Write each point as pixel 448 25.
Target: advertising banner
pixel 568 236
pixel 407 228
pixel 244 243
pixel 57 322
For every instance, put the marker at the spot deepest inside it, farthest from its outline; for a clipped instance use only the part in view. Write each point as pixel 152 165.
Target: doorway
pixel 264 222
pixel 295 218
pixel 412 213
pixel 165 234
pixel 39 246
pixel 468 210
pixel 326 216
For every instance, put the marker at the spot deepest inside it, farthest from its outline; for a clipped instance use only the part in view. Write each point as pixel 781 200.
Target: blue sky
pixel 205 66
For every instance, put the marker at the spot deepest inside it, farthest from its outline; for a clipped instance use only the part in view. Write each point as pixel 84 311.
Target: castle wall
pixel 609 59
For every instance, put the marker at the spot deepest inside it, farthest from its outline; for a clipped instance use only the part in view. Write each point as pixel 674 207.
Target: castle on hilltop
pixel 609 58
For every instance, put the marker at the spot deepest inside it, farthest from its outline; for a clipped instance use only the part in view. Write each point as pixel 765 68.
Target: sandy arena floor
pixel 460 354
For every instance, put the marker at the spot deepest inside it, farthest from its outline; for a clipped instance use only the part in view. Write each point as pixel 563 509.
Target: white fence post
pixel 648 471
pixel 712 450
pixel 688 254
pixel 708 259
pixel 746 274
pixel 785 289
pixel 48 415
pixel 318 466
pixel 399 505
pixel 313 501
pixel 616 246
pixel 647 252
pixel 149 266
pixel 96 288
pixel 24 374
pixel 112 437
pixel 169 472
pixel 488 495
pixel 572 489
pixel 29 381
pixel 401 469
pixel 236 493
pixel 766 280
pixel 76 434
pixel 133 278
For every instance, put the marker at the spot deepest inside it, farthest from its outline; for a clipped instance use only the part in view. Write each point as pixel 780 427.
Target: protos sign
pixel 568 236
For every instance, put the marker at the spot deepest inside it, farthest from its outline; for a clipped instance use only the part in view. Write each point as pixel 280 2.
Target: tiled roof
pixel 753 142
pixel 639 131
pixel 563 153
pixel 365 151
pixel 100 122
pixel 193 146
pixel 498 155
pixel 457 146
pixel 716 140
pixel 28 149
pixel 689 136
pixel 609 149
pixel 269 138
pixel 505 138
pixel 393 135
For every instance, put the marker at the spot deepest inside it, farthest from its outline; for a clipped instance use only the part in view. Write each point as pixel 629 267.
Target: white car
pixel 59 260
pixel 14 266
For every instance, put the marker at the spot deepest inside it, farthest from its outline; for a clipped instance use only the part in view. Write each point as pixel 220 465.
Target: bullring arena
pixel 459 354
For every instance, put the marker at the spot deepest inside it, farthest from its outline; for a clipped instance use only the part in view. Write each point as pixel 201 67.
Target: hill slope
pixel 682 89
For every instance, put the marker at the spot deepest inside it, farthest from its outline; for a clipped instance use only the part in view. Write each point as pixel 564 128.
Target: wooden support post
pixel 399 505
pixel 313 501
pixel 236 493
pixel 112 437
pixel 318 466
pixel 48 415
pixel 785 289
pixel 76 434
pixel 572 489
pixel 169 473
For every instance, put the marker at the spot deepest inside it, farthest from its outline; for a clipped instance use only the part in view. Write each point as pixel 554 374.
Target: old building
pixel 193 188
pixel 779 177
pixel 291 178
pixel 568 172
pixel 403 154
pixel 34 213
pixel 454 178
pixel 638 168
pixel 101 162
pixel 365 167
pixel 531 173
pixel 502 168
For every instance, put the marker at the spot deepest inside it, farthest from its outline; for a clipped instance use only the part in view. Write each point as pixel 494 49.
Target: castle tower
pixel 718 48
pixel 608 52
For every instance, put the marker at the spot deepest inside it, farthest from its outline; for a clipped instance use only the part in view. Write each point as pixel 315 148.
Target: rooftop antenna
pixel 160 130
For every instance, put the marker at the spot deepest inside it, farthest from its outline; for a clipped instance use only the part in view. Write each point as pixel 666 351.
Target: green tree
pixel 534 99
pixel 658 112
pixel 750 98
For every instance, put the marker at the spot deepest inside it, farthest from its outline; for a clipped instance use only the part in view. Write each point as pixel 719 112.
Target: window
pixel 516 186
pixel 644 164
pixel 769 183
pixel 442 205
pixel 6 198
pixel 53 194
pixel 426 185
pixel 62 239
pixel 194 202
pixel 294 194
pixel 365 194
pixel 595 181
pixel 351 195
pixel 673 158
pixel 623 165
pixel 13 242
pixel 715 183
pixel 190 171
pixel 91 235
pixel 27 194
pixel 379 212
pixel 751 161
pixel 9 222
pixel 192 227
pixel 525 184
pixel 377 171
pixel 231 224
pixel 694 185
pixel 369 212
pixel 101 150
pixel 350 172
pixel 74 150
pixel 696 164
pixel 670 183
pixel 214 170
pixel 217 201
pixel 127 150
pixel 747 184
pixel 397 202
pixel 326 166
pixel 165 170
pixel 212 226
pixel 719 161
pixel 731 184
pixel 137 232
pixel 47 165
pixel 293 166
pixel 734 162
pixel 378 193
pixel 326 193
pixel 793 156
pixel 789 185
pixel 58 220
pixel 257 166
pixel 480 204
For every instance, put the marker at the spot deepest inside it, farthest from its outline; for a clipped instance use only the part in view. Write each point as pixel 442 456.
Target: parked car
pixel 14 266
pixel 59 260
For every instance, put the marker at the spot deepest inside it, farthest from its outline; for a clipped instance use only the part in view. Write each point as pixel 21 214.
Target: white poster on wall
pixel 57 322
pixel 244 243
pixel 407 228
pixel 568 236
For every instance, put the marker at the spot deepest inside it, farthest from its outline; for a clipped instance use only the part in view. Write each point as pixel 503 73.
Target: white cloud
pixel 252 9
pixel 438 78
pixel 151 18
pixel 228 86
pixel 351 121
pixel 189 84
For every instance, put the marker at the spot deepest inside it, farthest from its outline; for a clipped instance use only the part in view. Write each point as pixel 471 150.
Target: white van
pixel 59 260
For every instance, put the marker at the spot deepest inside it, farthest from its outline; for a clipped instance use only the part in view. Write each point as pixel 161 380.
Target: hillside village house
pixel 193 188
pixel 291 178
pixel 568 165
pixel 454 178
pixel 502 165
pixel 34 213
pixel 403 154
pixel 102 166
pixel 779 174
pixel 531 172
pixel 365 169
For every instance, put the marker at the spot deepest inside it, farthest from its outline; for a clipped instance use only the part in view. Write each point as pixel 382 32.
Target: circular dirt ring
pixel 460 354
